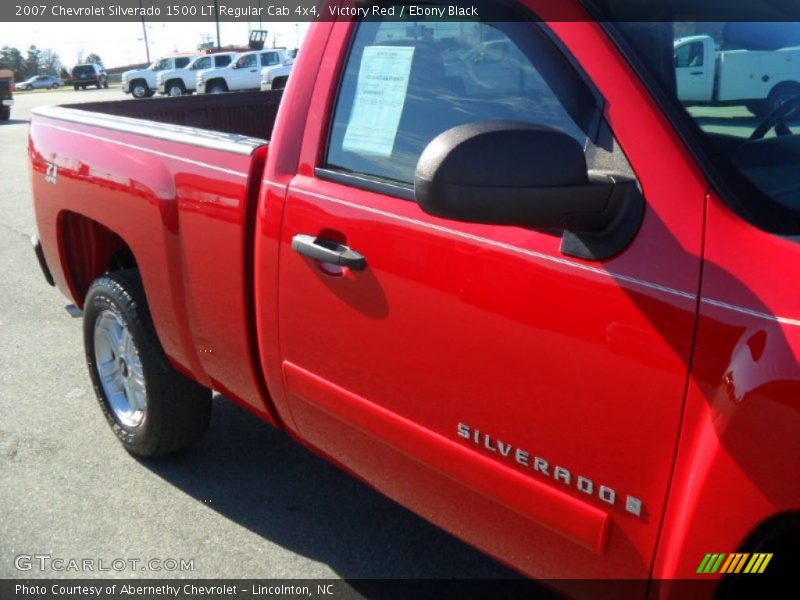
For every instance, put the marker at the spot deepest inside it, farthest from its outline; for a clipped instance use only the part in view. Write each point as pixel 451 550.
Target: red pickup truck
pixel 494 269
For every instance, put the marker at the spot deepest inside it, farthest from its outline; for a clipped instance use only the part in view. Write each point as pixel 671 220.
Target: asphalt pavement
pixel 246 502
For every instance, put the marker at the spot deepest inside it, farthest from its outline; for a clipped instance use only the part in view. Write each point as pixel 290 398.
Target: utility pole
pixel 216 18
pixel 144 33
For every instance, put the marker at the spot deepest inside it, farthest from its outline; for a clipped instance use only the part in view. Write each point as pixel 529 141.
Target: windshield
pixel 160 65
pixel 739 85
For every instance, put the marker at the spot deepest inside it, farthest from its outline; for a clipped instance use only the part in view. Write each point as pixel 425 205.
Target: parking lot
pixel 247 502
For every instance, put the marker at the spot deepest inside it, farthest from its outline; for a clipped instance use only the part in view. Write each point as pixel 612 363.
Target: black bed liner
pixel 250 114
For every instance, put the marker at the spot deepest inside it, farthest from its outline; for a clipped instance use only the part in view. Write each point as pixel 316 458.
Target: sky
pixel 121 44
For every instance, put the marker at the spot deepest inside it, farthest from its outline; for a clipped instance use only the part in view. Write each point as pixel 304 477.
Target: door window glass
pixel 247 61
pixel 689 55
pixel 269 58
pixel 404 83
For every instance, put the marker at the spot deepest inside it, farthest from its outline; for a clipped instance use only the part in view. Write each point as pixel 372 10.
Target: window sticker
pixel 379 100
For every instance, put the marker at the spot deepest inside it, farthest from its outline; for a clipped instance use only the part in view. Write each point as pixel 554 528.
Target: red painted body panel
pixel 183 216
pixel 739 455
pixel 582 363
pixel 295 106
pixel 586 364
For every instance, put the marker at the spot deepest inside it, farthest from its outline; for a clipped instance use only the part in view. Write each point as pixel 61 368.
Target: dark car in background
pixel 89 74
pixel 40 82
pixel 6 94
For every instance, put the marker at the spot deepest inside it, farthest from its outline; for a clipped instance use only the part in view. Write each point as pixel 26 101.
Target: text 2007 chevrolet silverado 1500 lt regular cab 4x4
pixel 524 293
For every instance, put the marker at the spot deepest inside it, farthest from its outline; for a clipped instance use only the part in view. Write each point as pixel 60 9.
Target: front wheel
pixel 216 88
pixel 5 113
pixel 175 88
pixel 139 89
pixel 151 408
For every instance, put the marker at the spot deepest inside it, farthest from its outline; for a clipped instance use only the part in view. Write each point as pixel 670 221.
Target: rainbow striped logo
pixel 742 562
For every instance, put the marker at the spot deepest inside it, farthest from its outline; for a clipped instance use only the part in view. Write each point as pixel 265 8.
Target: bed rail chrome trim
pixel 193 136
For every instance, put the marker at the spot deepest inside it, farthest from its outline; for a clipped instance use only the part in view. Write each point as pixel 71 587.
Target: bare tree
pixel 32 62
pixel 49 63
pixel 95 59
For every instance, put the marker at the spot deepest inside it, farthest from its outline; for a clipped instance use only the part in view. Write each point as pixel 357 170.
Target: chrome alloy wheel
pixel 120 369
pixel 139 90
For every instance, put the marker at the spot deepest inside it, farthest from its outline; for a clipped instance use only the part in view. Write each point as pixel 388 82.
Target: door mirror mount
pixel 516 173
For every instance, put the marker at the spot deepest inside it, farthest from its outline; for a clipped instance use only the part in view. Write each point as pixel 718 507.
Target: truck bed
pixel 170 186
pixel 249 114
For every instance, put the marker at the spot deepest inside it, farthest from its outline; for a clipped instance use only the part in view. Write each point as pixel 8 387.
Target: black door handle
pixel 328 251
pixel 696 73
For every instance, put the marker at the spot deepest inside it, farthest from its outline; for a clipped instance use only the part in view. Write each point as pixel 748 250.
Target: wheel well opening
pixel 217 80
pixel 89 250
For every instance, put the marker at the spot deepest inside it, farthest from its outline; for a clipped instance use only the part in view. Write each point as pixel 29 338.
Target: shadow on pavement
pixel 263 480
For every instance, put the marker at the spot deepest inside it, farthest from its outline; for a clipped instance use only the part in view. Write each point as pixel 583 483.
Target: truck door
pixel 694 71
pixel 245 73
pixel 525 399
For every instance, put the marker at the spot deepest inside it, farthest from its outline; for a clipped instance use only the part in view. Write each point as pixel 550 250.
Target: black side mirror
pixel 516 173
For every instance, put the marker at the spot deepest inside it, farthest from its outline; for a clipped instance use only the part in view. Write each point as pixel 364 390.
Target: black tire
pixel 781 93
pixel 177 409
pixel 140 89
pixel 5 113
pixel 175 87
pixel 75 87
pixel 279 83
pixel 216 87
pixel 105 84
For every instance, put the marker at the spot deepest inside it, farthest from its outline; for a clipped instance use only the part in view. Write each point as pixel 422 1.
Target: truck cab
pixel 180 81
pixel 243 74
pixel 142 83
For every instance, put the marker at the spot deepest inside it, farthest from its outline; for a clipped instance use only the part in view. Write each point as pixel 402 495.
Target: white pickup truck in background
pixel 141 83
pixel 761 79
pixel 276 77
pixel 177 82
pixel 242 74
